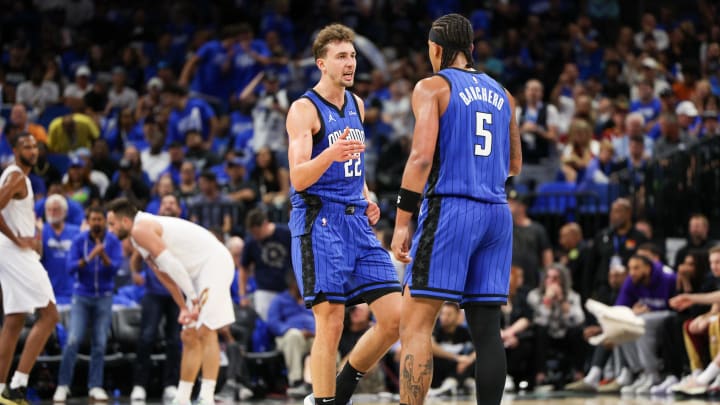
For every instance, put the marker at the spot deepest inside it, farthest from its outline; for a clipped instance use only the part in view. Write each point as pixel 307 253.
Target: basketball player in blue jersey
pixel 465 145
pixel 337 259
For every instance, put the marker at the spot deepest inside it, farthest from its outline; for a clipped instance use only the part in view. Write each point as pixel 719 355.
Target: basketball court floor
pixel 547 399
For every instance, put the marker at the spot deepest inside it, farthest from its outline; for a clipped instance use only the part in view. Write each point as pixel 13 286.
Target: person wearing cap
pixel 188 114
pixel 70 132
pixel 211 68
pixel 150 103
pixel 176 151
pixel 269 113
pixel 120 96
pixel 74 92
pixel 78 186
pixel 688 117
pixel 211 208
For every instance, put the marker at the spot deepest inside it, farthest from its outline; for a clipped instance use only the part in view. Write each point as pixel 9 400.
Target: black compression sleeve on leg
pixel 491 365
pixel 346 383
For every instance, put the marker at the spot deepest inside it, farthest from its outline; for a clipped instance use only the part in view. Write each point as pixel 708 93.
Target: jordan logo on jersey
pixel 331 118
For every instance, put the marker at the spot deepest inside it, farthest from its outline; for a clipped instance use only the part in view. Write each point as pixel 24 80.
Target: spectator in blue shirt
pixel 57 238
pixel 75 213
pixel 212 66
pixel 156 304
pixel 293 326
pixel 188 114
pixel 647 104
pixel 94 259
pixel 267 255
pixel 251 57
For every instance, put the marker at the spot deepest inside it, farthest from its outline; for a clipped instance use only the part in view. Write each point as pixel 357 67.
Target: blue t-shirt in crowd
pixel 271 258
pixel 209 77
pixel 241 129
pixel 152 283
pixel 195 116
pixel 54 259
pixel 244 66
pixel 649 110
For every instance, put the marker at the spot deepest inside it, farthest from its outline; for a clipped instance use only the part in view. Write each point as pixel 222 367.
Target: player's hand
pixel 401 244
pixel 184 318
pixel 373 213
pixel 26 242
pixel 345 149
pixel 680 302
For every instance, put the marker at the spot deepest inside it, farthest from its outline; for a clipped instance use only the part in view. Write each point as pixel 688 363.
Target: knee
pixel 389 325
pixel 50 316
pixel 294 336
pixel 190 338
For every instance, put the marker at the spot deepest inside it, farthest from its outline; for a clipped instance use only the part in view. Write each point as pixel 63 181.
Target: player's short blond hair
pixel 331 33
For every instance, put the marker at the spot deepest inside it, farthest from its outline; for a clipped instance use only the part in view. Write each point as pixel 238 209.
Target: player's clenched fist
pixel 345 149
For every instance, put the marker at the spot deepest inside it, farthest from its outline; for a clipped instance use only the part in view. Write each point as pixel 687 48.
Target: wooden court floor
pixel 552 399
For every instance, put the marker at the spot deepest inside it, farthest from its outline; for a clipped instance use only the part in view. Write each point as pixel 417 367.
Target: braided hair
pixel 454 34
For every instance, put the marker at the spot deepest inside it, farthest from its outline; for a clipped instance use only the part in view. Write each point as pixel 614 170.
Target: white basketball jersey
pixel 191 244
pixel 19 214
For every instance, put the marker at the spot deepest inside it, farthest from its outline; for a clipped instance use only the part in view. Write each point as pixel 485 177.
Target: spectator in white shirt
pixel 649 26
pixel 75 92
pixel 120 96
pixel 38 92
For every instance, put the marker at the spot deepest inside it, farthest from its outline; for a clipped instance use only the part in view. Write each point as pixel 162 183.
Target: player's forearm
pixel 304 175
pixel 171 266
pixel 172 288
pixel 243 281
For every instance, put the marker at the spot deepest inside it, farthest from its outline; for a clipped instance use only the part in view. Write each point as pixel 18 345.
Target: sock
pixel 325 401
pixel 709 374
pixel 184 391
pixel 625 377
pixel 18 380
pixel 207 391
pixel 593 376
pixel 2 387
pixel 346 382
pixel 696 373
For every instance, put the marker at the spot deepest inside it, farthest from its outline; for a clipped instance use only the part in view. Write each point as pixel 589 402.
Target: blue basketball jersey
pixel 343 182
pixel 472 154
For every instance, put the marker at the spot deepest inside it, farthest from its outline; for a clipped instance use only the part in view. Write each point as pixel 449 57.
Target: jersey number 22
pixel 486 147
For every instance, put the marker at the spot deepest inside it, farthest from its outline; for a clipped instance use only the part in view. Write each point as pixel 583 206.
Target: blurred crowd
pixel 180 106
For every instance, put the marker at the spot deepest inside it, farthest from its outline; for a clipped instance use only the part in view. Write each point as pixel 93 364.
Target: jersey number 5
pixel 350 171
pixel 486 147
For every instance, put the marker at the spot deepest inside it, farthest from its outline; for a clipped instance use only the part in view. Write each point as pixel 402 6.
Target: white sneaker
pixel 245 393
pixel 469 385
pixel 448 386
pixel 644 388
pixel 61 393
pixel 664 387
pixel 310 400
pixel 138 393
pixel 630 389
pixel 97 394
pixel 509 383
pixel 169 393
